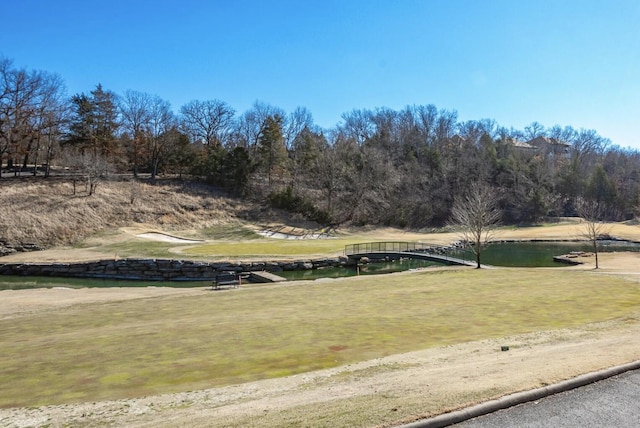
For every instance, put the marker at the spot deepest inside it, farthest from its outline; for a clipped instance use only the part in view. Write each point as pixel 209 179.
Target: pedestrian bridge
pixel 411 250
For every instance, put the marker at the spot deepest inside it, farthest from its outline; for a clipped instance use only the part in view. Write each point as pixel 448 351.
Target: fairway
pixel 271 247
pixel 258 248
pixel 177 343
pixel 235 242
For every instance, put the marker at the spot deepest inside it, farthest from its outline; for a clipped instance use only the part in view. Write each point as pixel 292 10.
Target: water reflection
pixel 23 282
pixel 540 254
pixel 511 254
pixel 368 269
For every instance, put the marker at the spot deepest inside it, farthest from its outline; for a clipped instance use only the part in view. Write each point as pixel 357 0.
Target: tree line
pixel 376 166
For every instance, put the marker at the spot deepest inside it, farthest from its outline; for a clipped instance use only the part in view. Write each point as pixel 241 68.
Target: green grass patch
pixel 158 345
pixel 235 242
pixel 245 249
pixel 142 248
pixel 275 247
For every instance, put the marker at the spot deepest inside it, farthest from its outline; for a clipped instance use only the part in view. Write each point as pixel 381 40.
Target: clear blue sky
pixel 567 62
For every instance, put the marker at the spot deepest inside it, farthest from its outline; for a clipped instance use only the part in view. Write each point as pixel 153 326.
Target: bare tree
pixel 208 121
pixel 48 118
pixel 326 171
pixel 559 133
pixel 297 121
pixel 426 119
pixel 93 166
pixel 446 124
pixel 250 125
pixel 135 110
pixel 161 121
pixel 534 130
pixel 593 228
pixel 32 107
pixel 476 215
pixel 357 124
pixel 19 94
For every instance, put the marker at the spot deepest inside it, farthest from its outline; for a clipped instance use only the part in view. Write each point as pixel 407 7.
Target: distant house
pixel 457 140
pixel 520 146
pixel 550 145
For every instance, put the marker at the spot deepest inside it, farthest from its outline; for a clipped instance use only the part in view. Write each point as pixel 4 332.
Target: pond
pixel 26 282
pixel 507 254
pixel 369 269
pixel 541 253
pixel 511 254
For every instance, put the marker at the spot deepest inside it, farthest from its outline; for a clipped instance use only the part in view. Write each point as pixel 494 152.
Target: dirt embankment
pixel 57 212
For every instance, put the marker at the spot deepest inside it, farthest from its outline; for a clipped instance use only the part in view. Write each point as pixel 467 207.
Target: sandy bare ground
pixel 163 237
pixel 382 392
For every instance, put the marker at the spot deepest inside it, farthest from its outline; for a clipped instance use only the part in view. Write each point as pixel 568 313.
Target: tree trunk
pixel 35 157
pixel 47 159
pixel 154 169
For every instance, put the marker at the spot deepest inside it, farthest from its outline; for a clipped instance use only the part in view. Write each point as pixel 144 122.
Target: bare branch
pixel 593 228
pixel 476 215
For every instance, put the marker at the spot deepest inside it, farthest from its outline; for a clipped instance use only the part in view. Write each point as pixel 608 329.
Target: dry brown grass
pixel 48 213
pixel 184 342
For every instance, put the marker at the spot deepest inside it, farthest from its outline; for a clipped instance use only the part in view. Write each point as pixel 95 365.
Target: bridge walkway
pixel 413 250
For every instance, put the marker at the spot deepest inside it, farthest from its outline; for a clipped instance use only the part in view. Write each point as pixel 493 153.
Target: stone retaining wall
pixel 159 269
pixel 7 248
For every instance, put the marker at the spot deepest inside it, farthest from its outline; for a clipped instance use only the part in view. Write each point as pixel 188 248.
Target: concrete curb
pixel 520 398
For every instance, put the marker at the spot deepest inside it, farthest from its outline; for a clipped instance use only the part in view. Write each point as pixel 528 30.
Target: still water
pixel 512 254
pixel 508 254
pixel 26 282
pixel 540 254
pixel 370 269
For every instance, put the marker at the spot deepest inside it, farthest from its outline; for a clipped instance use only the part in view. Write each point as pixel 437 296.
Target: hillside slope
pixel 46 213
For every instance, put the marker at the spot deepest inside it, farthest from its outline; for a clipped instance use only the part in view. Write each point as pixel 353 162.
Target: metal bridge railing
pixel 385 247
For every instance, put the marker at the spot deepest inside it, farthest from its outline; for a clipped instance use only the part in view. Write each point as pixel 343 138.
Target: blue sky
pixel 556 62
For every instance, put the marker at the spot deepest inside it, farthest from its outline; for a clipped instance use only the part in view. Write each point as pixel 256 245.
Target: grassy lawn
pixel 238 242
pixel 141 248
pixel 272 247
pixel 245 249
pixel 289 247
pixel 141 347
pixel 234 241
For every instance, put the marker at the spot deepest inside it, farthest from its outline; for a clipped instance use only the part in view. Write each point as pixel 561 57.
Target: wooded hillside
pixel 387 167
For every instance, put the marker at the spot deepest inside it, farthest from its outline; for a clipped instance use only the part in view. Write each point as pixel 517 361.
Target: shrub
pixel 286 199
